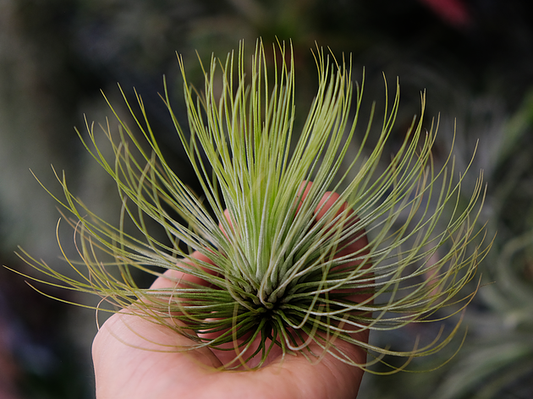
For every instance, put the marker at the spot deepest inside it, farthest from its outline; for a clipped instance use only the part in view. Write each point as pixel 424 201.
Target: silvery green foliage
pixel 268 261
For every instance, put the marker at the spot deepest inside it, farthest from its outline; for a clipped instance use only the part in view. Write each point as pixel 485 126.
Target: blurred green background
pixel 474 57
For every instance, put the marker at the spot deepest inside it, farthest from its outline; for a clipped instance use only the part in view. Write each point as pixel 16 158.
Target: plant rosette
pixel 300 240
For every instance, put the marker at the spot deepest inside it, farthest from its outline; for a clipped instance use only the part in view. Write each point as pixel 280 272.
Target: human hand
pixel 133 359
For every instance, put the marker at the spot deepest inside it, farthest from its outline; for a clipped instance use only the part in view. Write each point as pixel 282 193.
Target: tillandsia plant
pixel 297 241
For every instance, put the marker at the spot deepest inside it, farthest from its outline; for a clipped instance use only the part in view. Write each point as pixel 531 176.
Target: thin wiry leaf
pixel 394 246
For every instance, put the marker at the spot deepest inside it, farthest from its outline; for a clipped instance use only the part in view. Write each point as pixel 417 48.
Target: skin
pixel 130 360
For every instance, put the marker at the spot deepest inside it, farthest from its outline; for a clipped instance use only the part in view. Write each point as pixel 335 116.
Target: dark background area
pixel 474 58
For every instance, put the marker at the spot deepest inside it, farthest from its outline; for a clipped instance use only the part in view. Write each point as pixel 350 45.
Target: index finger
pixel 353 245
pixel 173 278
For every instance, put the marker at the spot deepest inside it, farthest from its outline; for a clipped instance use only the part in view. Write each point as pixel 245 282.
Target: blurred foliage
pixel 475 58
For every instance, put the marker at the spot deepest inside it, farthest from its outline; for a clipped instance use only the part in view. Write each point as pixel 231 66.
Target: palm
pixel 125 371
pixel 133 358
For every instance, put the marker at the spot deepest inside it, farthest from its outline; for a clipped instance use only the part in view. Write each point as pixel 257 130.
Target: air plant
pixel 299 239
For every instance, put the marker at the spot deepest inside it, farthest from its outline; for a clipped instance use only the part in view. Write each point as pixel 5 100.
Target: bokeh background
pixel 474 58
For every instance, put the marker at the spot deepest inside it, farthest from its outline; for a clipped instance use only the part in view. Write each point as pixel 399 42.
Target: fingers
pixel 295 377
pixel 229 221
pixel 357 242
pixel 343 215
pixel 353 248
pixel 174 278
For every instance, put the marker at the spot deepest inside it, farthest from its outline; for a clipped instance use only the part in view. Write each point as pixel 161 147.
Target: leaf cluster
pixel 275 264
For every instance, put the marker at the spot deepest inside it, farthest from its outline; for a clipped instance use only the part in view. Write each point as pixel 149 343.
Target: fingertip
pixel 227 215
pixel 305 186
pixel 172 278
pixel 329 199
pixel 303 191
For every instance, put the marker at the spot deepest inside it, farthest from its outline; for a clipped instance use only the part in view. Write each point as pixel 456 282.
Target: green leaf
pixel 283 260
